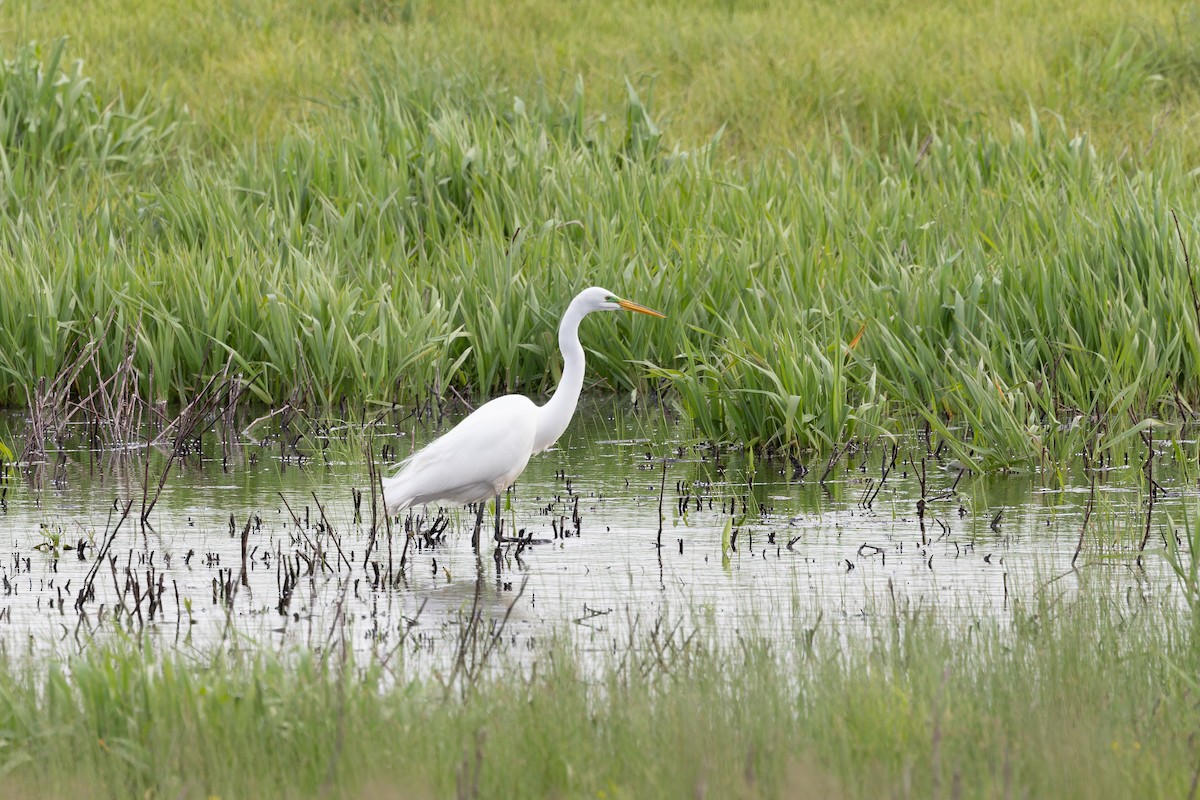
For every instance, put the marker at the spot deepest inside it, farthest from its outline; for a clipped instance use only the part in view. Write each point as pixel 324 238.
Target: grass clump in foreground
pixel 1010 260
pixel 1091 697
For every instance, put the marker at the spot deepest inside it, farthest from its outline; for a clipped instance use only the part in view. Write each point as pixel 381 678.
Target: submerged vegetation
pixel 982 251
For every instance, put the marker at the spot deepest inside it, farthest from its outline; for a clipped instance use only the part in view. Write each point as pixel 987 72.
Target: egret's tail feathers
pixel 395 496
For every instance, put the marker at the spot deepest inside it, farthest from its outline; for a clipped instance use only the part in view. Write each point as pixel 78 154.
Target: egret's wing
pixel 479 456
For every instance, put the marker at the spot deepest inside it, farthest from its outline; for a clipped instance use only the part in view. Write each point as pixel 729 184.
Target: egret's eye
pixel 610 299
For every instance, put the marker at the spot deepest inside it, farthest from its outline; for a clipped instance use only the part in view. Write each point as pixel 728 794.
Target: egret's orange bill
pixel 630 306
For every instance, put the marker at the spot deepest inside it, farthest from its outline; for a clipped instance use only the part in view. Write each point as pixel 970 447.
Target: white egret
pixel 483 455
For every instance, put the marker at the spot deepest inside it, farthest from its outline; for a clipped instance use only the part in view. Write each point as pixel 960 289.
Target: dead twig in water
pixel 189 420
pixel 285 408
pixel 886 468
pixel 48 402
pixel 376 489
pixel 1087 511
pixel 661 490
pixel 337 542
pixel 315 548
pixel 245 578
pixel 1148 469
pixel 86 589
pixel 833 460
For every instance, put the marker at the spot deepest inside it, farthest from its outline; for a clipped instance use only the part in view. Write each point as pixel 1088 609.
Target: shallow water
pixel 801 552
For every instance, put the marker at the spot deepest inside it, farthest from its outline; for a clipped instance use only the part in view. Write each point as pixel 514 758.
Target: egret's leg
pixel 497 519
pixel 478 525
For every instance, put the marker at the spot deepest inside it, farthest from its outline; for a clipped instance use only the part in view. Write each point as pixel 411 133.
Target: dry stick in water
pixel 374 479
pixel 52 398
pixel 100 556
pixel 111 404
pixel 1087 511
pixel 387 521
pixel 245 578
pixel 833 460
pixel 300 527
pixel 337 541
pixel 922 503
pixel 247 431
pixel 203 395
pixel 661 490
pixel 885 469
pixel 188 421
pixel 1148 438
pixel 467 635
pixel 146 459
pixel 468 640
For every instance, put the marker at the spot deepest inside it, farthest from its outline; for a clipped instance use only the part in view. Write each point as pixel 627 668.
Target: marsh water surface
pixel 764 543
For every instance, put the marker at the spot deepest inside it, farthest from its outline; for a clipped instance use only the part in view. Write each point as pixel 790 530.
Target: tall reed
pixel 1020 291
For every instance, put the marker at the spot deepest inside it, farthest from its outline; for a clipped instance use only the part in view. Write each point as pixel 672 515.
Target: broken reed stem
pixel 1087 511
pixel 187 422
pixel 373 477
pixel 337 542
pixel 245 578
pixel 885 470
pixel 467 637
pixel 50 398
pixel 84 590
pixel 661 491
pixel 833 460
pixel 1148 469
pixel 304 533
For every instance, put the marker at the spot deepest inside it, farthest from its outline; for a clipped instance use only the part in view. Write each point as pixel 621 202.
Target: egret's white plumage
pixel 485 453
pixel 480 458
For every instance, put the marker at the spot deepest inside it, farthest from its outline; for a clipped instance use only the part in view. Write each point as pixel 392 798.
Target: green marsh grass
pixel 775 75
pixel 1086 697
pixel 400 227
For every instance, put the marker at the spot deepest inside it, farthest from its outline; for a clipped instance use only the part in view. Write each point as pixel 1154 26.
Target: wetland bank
pixel 901 499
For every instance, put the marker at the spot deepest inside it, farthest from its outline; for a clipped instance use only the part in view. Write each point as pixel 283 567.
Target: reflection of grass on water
pixel 1089 697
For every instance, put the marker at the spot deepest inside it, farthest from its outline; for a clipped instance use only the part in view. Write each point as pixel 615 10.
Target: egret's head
pixel 597 299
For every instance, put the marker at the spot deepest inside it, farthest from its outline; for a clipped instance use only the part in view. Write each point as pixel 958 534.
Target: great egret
pixel 483 455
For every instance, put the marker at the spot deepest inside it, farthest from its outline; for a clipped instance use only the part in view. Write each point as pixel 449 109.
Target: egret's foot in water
pixel 478 526
pixel 498 521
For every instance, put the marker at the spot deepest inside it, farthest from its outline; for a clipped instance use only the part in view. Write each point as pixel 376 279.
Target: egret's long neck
pixel 554 417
